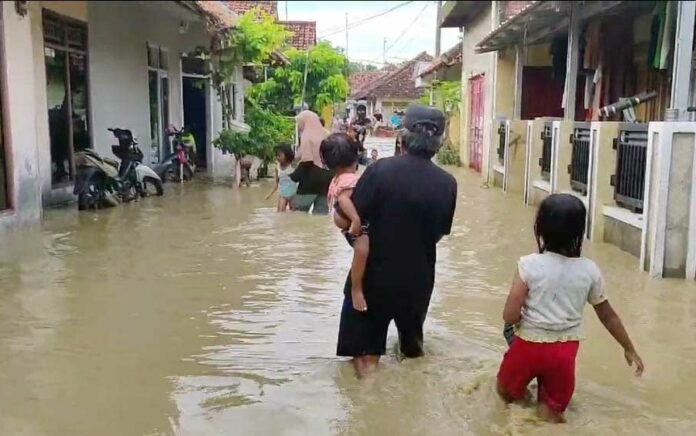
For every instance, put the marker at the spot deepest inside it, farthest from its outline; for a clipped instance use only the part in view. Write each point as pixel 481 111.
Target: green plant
pixel 326 80
pixel 446 95
pixel 268 130
pixel 448 156
pixel 252 41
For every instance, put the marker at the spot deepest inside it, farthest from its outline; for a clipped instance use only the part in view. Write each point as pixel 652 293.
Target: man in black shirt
pixel 409 204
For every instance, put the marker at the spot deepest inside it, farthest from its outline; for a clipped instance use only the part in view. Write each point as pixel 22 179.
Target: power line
pixel 363 21
pixel 408 28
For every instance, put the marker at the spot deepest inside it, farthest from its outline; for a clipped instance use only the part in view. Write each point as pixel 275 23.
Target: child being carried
pixel 340 155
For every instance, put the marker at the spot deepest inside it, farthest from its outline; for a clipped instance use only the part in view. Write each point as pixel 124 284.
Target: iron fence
pixel 631 156
pixel 501 143
pixel 580 157
pixel 545 160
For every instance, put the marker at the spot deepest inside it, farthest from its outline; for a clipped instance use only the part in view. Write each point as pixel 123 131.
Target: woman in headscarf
pixel 313 180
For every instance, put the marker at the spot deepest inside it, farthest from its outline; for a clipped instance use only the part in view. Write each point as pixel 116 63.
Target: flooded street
pixel 204 312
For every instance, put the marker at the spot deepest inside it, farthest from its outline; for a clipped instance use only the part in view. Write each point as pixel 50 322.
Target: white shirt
pixel 559 288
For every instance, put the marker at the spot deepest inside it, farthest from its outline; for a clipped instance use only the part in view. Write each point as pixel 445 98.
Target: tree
pixel 326 81
pixel 252 41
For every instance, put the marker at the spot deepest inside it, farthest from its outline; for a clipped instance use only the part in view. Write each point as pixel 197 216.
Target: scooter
pixel 179 166
pixel 97 184
pixel 136 177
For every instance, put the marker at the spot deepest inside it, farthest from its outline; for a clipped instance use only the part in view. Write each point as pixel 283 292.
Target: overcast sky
pixel 409 30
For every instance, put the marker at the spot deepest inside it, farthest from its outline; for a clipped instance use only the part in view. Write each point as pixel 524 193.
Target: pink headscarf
pixel 310 138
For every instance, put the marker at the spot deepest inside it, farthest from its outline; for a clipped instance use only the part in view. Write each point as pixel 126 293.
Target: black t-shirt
pixel 312 179
pixel 409 203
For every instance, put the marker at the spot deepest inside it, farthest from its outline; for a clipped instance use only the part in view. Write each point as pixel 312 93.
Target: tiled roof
pixel 359 80
pixel 446 59
pixel 217 15
pixel 399 83
pixel 240 7
pixel 304 33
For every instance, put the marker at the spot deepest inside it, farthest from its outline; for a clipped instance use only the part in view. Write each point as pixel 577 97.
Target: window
pixel 158 84
pixel 65 57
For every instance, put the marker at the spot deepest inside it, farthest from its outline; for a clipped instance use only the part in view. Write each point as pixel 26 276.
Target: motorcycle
pixel 97 184
pixel 136 178
pixel 179 165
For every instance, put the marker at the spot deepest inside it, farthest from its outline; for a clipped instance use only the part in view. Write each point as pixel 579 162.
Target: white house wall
pixel 118 36
pixel 19 123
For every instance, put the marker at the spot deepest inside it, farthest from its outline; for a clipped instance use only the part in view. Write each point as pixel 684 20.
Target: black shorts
pixel 365 333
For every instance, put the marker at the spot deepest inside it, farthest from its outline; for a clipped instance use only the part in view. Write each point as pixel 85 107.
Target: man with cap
pixel 409 204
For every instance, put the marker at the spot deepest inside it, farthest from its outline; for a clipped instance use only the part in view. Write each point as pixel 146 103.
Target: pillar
pixel 574 31
pixel 683 47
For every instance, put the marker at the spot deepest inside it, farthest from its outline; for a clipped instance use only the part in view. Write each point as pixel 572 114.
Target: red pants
pixel 553 364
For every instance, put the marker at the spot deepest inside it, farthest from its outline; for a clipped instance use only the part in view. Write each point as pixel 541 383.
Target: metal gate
pixel 631 156
pixel 580 159
pixel 476 111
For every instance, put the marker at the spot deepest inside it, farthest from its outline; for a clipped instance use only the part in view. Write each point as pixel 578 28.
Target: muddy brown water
pixel 206 313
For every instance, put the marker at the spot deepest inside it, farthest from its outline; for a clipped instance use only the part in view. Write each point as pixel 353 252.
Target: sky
pixel 408 30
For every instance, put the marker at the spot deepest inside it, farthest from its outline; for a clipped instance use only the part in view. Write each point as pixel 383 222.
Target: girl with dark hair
pixel 546 304
pixel 283 183
pixel 340 155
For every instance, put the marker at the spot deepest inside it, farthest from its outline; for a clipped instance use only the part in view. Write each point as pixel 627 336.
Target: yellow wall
pixel 538 56
pixel 72 9
pixel 516 158
pixel 505 85
pixel 454 130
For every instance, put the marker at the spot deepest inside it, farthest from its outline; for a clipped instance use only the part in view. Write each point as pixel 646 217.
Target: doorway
pixel 195 97
pixel 65 57
pixel 476 112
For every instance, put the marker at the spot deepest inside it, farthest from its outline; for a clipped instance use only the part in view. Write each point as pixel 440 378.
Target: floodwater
pixel 206 313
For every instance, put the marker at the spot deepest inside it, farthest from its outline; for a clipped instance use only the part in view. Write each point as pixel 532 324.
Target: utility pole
pixel 384 52
pixel 346 34
pixel 286 11
pixel 438 31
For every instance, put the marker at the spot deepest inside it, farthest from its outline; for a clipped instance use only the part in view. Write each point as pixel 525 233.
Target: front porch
pixel 567 124
pixel 122 64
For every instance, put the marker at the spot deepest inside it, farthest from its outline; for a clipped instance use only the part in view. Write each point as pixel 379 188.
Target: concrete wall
pixel 19 123
pixel 475 64
pixel 118 35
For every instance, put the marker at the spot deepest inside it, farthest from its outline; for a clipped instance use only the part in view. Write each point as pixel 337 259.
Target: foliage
pixel 252 41
pixel 446 95
pixel 448 156
pixel 326 81
pixel 268 130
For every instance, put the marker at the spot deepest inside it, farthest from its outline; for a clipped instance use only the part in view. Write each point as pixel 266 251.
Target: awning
pixel 541 21
pixel 458 13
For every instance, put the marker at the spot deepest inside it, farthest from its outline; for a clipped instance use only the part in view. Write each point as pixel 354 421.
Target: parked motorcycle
pixel 137 179
pixel 97 184
pixel 179 165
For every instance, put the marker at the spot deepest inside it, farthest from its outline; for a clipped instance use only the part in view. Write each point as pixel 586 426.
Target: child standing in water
pixel 283 184
pixel 546 304
pixel 340 155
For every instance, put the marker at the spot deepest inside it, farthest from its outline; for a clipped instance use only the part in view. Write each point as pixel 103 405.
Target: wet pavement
pixel 205 312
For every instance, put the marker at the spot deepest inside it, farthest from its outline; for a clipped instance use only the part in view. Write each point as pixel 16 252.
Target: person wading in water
pixel 313 180
pixel 409 204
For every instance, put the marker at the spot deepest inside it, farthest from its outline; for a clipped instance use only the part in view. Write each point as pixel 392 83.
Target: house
pixel 391 92
pixel 447 66
pixel 108 64
pixel 591 99
pixel 304 33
